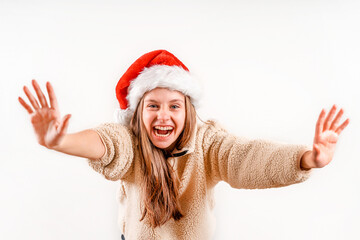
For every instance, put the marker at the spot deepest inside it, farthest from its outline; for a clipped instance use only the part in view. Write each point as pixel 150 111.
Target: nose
pixel 163 115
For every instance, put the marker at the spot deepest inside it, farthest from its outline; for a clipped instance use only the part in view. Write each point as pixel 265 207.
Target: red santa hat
pixel 155 69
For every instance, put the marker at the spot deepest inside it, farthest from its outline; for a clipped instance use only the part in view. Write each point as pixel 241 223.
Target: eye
pixel 152 106
pixel 175 106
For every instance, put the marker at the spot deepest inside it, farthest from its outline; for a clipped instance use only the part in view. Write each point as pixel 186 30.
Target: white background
pixel 268 68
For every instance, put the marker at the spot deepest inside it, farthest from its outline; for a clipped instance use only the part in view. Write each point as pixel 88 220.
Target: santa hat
pixel 154 69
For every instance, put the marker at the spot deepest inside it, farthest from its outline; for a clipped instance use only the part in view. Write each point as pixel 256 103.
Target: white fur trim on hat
pixel 171 77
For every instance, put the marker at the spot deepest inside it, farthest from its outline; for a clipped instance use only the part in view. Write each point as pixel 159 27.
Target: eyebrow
pixel 172 100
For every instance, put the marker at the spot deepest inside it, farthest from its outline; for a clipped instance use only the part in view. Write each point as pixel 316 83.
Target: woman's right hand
pixel 49 128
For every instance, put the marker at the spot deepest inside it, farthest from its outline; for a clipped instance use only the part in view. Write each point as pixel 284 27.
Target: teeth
pixel 162 135
pixel 163 128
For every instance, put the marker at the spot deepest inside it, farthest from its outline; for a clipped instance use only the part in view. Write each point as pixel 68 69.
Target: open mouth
pixel 162 131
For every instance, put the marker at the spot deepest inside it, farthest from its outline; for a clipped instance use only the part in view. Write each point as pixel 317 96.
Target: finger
pixel 320 123
pixel 64 124
pixel 52 96
pixel 329 118
pixel 31 98
pixel 39 93
pixel 335 123
pixel 25 105
pixel 342 126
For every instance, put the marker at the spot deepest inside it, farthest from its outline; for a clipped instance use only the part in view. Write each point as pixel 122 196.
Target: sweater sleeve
pixel 118 158
pixel 251 164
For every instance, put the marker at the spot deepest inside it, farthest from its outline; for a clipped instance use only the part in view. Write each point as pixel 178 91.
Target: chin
pixel 162 146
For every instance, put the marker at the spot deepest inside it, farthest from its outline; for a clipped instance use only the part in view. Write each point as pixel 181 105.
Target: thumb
pixel 317 149
pixel 64 124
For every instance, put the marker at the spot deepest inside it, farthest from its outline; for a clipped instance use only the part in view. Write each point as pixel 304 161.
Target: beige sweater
pixel 213 155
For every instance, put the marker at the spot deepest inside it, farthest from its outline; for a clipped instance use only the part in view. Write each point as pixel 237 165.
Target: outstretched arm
pixel 326 136
pixel 251 164
pixel 50 129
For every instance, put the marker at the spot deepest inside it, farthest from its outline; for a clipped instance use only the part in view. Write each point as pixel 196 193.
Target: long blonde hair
pixel 160 191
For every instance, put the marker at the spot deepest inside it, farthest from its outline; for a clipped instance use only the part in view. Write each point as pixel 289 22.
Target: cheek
pixel 181 121
pixel 147 119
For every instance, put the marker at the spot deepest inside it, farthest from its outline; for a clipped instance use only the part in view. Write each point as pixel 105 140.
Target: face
pixel 164 116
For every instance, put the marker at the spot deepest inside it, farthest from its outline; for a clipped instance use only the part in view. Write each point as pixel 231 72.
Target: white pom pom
pixel 123 116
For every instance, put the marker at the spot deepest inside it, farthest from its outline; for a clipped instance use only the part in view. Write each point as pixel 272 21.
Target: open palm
pixel 48 126
pixel 326 136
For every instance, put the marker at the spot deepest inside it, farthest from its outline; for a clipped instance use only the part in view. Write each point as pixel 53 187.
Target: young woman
pixel 168 163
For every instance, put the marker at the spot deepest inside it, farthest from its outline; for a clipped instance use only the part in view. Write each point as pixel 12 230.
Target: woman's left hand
pixel 326 136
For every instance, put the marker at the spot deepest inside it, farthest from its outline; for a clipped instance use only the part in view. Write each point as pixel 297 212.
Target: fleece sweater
pixel 212 155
